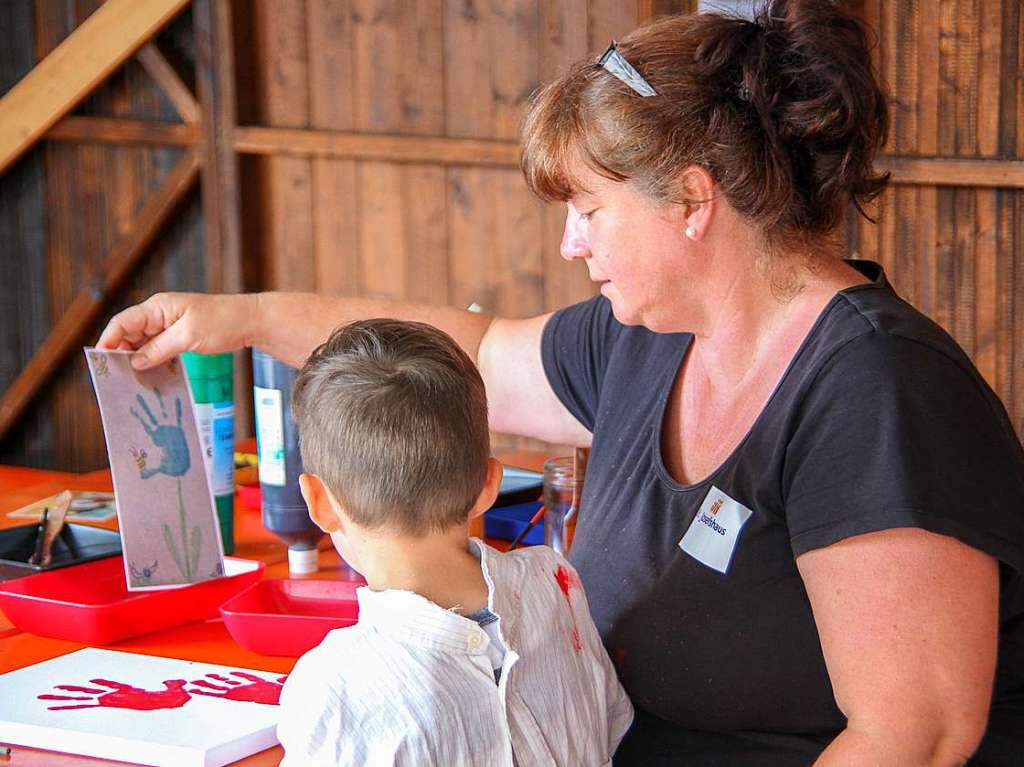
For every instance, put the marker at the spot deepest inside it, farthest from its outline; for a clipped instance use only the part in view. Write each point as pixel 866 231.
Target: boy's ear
pixel 318 500
pixel 489 492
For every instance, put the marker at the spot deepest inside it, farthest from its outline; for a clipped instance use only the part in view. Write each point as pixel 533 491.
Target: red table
pixel 208 641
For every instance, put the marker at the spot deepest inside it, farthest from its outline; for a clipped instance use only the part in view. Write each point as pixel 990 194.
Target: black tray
pixel 75 544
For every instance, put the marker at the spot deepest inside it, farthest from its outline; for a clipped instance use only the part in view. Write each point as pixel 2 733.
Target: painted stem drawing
pixel 165 507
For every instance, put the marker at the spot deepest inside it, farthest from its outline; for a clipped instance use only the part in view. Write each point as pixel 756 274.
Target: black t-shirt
pixel 880 421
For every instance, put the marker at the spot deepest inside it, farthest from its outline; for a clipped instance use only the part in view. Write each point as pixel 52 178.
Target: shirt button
pixel 474 641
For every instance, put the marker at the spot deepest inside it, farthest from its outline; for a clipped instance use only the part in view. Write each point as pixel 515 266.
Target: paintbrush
pixel 529 526
pixel 49 528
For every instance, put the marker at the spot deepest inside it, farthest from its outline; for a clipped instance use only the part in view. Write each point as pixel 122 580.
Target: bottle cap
pixel 303 561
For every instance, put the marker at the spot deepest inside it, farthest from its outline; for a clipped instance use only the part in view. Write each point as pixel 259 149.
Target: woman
pixel 803 534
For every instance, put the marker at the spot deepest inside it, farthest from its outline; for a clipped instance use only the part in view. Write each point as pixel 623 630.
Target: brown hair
pixel 784 112
pixel 392 416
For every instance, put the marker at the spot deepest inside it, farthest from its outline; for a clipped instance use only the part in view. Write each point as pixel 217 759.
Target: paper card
pixel 85 504
pixel 165 508
pixel 139 708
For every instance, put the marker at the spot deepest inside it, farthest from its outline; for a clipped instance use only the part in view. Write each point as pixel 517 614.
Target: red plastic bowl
pixel 90 603
pixel 289 617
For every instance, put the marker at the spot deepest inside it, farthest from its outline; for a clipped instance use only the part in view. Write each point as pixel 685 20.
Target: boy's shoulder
pixel 328 666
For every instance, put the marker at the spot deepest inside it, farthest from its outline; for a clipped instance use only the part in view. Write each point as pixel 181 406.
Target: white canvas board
pixel 179 713
pixel 165 507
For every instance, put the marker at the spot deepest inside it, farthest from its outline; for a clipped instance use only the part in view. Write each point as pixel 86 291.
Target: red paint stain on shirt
pixel 566 582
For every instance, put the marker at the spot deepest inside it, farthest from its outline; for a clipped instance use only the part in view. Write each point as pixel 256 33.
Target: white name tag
pixel 711 538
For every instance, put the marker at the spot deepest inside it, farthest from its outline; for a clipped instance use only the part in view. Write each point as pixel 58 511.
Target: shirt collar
pixel 408 616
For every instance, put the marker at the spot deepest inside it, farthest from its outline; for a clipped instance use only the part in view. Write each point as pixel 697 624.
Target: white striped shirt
pixel 411 683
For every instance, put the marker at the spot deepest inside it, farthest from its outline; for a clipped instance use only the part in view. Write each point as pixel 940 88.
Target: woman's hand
pixel 167 324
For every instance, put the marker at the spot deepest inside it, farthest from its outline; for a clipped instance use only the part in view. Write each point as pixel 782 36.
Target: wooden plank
pixel 170 83
pixel 335 198
pixel 1013 392
pixel 927 213
pixel 118 130
pixel 1010 80
pixel 986 281
pixel 383 248
pixel 947 77
pixel 368 146
pixel 88 302
pixel 988 77
pixel 928 81
pixel 399 69
pixel 953 171
pixel 23 221
pixel 213 38
pixel 469 94
pixel 287 248
pixel 905 17
pixel 967 22
pixel 609 20
pixel 215 83
pixel 398 57
pixel 75 67
pixel 904 262
pixel 964 266
pixel 563 41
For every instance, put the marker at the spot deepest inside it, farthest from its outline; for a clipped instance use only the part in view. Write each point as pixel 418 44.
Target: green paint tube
pixel 211 378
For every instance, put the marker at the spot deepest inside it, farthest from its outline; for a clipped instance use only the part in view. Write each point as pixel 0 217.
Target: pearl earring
pixel 691 232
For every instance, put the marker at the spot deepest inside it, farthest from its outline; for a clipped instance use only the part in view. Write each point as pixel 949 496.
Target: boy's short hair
pixel 392 416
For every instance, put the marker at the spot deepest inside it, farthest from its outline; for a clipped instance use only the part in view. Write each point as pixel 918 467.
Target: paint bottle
pixel 280 463
pixel 211 379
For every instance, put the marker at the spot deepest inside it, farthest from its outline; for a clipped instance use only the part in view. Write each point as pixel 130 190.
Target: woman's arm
pixel 290 325
pixel 908 622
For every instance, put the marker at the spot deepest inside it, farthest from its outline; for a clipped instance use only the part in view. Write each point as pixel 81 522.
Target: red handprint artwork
pixel 121 695
pixel 253 689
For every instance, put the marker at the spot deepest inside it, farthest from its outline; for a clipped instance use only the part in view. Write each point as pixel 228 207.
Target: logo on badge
pixel 714 532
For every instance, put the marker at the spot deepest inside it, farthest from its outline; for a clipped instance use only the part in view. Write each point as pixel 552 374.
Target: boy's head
pixel 392 418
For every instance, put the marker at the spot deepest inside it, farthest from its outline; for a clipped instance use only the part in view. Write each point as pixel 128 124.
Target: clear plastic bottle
pixel 280 463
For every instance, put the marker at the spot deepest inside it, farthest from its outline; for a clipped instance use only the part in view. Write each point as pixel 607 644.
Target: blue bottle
pixel 280 464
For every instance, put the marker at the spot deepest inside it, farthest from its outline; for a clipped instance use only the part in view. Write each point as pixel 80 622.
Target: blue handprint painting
pixel 169 438
pixel 165 508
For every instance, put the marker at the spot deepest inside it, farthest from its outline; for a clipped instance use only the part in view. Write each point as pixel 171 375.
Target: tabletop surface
pixel 206 641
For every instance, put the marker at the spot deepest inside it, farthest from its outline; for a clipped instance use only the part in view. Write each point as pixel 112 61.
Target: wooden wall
pixel 433 232
pixel 62 208
pixel 423 222
pixel 952 245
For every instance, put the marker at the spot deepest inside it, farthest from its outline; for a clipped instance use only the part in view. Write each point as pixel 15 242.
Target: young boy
pixel 462 655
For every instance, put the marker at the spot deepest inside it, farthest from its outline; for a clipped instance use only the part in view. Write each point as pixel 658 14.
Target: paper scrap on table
pixel 85 505
pixel 140 708
pixel 165 507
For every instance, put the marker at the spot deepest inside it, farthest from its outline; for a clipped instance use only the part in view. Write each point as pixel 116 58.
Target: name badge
pixel 712 536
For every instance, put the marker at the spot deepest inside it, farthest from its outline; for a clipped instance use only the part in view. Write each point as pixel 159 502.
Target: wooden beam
pixel 375 146
pixel 84 310
pixel 113 130
pixel 938 171
pixel 215 82
pixel 163 74
pixel 75 67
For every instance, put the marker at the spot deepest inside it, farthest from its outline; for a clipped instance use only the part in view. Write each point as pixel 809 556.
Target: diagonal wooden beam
pixel 163 74
pixel 74 68
pixel 116 267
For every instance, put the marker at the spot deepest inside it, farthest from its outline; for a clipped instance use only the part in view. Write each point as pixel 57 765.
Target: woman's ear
pixel 489 492
pixel 697 188
pixel 319 502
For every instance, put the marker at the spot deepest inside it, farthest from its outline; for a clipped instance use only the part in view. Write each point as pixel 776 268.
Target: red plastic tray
pixel 288 617
pixel 90 603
